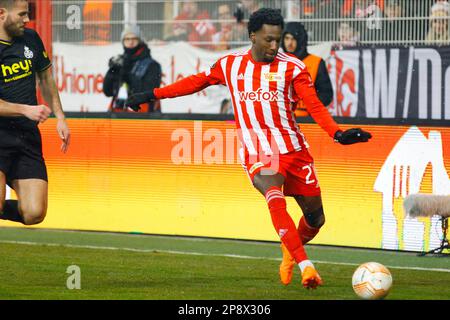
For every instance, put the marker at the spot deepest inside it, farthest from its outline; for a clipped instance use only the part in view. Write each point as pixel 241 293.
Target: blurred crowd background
pixel 221 24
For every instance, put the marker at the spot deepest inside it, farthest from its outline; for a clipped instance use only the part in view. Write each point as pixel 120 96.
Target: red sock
pixel 305 231
pixel 284 225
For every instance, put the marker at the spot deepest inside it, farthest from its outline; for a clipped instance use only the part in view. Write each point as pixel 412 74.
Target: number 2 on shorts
pixel 310 169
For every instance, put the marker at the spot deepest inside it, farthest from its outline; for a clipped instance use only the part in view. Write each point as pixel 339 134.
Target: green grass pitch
pixel 134 267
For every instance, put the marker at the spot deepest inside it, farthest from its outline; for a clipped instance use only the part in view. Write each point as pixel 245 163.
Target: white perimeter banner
pixel 79 71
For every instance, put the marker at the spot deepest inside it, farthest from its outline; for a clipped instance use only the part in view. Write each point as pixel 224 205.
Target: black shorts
pixel 21 153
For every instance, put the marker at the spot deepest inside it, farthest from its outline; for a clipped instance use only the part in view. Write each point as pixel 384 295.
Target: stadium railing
pixel 400 22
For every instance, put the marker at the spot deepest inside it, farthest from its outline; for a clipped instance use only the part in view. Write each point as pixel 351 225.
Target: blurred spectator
pixel 308 8
pixel 393 8
pixel 368 18
pixel 97 18
pixel 249 6
pixel 229 31
pixel 438 33
pixel 360 8
pixel 295 41
pixel 320 31
pixel 394 29
pixel 363 8
pixel 198 31
pixel 243 11
pixel 347 35
pixel 133 71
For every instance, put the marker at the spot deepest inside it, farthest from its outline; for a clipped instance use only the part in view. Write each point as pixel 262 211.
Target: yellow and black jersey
pixel 20 60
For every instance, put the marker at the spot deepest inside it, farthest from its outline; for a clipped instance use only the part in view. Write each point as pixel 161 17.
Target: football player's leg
pixel 313 217
pixel 308 228
pixel 304 182
pixel 310 223
pixel 270 186
pixel 32 204
pixel 9 209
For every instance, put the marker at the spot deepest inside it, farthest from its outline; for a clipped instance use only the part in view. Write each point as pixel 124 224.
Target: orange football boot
pixel 311 278
pixel 286 266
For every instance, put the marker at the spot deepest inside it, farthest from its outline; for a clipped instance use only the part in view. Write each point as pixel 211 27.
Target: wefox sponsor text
pixel 258 95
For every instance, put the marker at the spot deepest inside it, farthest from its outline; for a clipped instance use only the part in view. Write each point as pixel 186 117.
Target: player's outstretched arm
pixel 322 116
pixel 183 87
pixel 305 89
pixel 51 96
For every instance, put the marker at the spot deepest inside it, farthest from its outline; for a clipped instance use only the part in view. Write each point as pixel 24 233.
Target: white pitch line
pixel 201 254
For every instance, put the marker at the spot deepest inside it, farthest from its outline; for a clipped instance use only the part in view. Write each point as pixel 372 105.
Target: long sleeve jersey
pixel 263 95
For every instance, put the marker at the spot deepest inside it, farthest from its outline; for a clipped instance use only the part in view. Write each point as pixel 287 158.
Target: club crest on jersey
pixel 272 76
pixel 28 53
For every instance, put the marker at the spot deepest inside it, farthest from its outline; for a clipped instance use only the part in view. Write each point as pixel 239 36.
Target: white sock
pixel 304 264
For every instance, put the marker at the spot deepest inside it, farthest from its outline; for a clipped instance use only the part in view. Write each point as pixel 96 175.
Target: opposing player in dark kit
pixel 23 59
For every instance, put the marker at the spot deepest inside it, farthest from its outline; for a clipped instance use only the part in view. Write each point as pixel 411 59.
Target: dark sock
pixel 11 211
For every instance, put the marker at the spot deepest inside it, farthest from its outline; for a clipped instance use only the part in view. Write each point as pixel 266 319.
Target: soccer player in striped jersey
pixel 264 85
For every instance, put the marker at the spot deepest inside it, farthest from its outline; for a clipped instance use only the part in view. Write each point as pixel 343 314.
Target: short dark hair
pixel 8 3
pixel 265 16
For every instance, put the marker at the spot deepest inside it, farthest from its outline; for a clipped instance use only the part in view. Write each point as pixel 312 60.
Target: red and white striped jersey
pixel 262 95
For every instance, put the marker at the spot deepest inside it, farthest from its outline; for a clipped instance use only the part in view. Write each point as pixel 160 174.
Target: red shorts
pixel 296 167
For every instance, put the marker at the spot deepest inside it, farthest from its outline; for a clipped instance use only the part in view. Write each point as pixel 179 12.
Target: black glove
pixel 136 99
pixel 116 62
pixel 351 136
